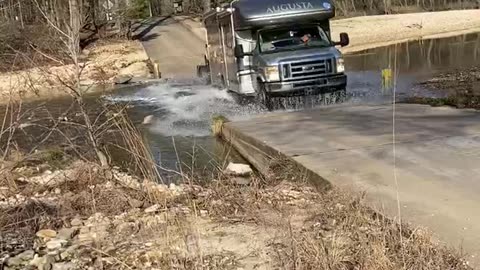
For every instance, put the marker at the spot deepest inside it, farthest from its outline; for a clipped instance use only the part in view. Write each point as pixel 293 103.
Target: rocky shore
pixel 88 217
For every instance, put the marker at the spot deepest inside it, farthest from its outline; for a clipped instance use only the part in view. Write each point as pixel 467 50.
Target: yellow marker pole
pixel 387 82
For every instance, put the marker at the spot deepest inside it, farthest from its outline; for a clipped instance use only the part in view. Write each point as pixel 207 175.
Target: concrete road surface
pixel 437 160
pixel 175 47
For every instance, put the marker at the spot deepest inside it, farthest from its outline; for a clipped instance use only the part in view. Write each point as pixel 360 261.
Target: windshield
pixel 293 38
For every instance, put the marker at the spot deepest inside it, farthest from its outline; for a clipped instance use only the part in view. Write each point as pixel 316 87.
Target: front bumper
pixel 308 87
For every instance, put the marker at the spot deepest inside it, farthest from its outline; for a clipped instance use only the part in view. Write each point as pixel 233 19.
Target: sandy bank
pixel 376 31
pixel 103 62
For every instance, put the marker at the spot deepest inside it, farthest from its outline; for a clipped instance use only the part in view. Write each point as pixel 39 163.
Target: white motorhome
pixel 273 48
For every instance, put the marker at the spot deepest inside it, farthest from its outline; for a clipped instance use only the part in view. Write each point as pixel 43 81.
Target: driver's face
pixel 306 38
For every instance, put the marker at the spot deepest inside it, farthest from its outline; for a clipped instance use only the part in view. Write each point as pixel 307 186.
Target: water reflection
pixel 412 62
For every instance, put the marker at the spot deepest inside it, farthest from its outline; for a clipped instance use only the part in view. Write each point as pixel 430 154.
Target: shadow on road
pixel 149 37
pixel 145 27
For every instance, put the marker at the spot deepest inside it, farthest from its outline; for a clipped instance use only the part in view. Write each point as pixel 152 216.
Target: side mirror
pixel 239 53
pixel 344 40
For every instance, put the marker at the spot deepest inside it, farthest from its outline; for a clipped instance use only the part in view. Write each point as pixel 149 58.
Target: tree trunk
pixel 74 29
pixel 206 5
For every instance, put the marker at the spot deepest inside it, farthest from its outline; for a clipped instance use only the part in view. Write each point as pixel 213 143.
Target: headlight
pixel 340 65
pixel 272 73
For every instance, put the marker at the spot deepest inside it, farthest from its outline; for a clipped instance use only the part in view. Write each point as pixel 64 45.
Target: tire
pixel 263 97
pixel 203 72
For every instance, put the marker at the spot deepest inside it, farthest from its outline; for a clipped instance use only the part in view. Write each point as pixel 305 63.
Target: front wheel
pixel 263 96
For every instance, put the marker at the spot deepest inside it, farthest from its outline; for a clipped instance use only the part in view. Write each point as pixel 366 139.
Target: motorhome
pixel 269 48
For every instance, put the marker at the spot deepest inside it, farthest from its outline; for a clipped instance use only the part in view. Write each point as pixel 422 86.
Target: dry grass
pixel 324 229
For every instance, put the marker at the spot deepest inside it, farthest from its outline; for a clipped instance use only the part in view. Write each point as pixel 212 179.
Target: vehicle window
pixel 284 39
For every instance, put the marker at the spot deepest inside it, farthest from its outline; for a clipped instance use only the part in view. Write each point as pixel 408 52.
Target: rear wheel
pixel 203 72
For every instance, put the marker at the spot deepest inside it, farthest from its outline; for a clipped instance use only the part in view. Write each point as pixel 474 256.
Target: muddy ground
pixel 462 87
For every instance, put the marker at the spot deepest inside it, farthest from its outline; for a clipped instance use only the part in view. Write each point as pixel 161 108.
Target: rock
pixel 69 252
pixel 148 120
pixel 64 266
pixel 137 69
pixel 46 234
pixel 238 169
pixel 56 244
pixel 122 79
pixel 58 191
pixel 76 222
pixel 175 190
pixel 14 261
pixel 66 233
pixel 86 238
pixel 203 213
pixel 27 255
pixel 134 203
pixel 152 209
pixel 87 82
pixel 241 181
pixel 43 263
pixel 21 259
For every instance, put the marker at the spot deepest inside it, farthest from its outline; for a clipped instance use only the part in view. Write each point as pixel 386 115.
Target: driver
pixel 306 38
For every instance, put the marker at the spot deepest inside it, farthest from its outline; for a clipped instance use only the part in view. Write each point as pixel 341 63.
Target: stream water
pixel 180 131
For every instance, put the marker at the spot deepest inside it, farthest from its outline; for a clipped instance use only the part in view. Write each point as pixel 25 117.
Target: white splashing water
pixel 186 110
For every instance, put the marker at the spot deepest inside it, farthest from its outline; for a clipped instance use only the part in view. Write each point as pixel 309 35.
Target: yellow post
pixel 217 124
pixel 156 71
pixel 387 82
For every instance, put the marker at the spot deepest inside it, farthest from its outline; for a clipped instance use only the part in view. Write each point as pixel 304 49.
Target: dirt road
pixel 177 50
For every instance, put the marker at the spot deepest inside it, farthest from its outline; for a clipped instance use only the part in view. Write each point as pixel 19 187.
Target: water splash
pixel 186 110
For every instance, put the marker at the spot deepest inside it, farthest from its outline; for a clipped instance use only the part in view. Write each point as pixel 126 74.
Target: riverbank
pixel 376 31
pixel 462 88
pixel 101 64
pixel 86 216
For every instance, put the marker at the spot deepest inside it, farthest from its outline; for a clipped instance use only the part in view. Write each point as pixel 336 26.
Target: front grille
pixel 307 69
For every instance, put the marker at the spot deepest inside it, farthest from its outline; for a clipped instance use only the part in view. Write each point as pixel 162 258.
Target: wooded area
pixel 31 30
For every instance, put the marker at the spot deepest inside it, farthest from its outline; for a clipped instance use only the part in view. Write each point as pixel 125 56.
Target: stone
pixel 46 234
pixel 14 261
pixel 137 69
pixel 122 79
pixel 152 209
pixel 134 203
pixel 238 169
pixel 203 213
pixel 42 263
pixel 76 222
pixel 58 191
pixel 86 238
pixel 63 266
pixel 148 120
pixel 56 244
pixel 69 252
pixel 67 233
pixel 27 255
pixel 241 181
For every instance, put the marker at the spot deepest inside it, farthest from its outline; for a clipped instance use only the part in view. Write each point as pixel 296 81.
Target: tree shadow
pixel 146 27
pixel 149 37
